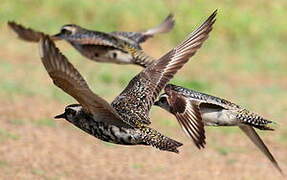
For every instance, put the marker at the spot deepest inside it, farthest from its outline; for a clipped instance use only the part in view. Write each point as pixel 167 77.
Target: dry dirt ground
pixel 30 150
pixel 34 146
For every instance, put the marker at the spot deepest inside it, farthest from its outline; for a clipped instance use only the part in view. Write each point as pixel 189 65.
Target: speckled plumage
pixel 113 47
pixel 101 130
pixel 104 47
pixel 243 115
pixel 94 115
pixel 130 110
pixel 194 109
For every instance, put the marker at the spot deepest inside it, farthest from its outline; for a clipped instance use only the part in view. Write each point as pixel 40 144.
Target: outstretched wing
pixel 144 88
pixel 24 33
pixel 66 77
pixel 188 115
pixel 255 138
pixel 27 34
pixel 140 37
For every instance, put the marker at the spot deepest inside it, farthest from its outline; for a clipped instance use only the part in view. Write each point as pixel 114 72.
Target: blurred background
pixel 244 60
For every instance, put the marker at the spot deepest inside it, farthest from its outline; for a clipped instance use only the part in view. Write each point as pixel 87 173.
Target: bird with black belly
pixel 126 120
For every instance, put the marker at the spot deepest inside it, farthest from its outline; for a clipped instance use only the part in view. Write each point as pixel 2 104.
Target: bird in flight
pixel 126 120
pixel 194 109
pixel 114 47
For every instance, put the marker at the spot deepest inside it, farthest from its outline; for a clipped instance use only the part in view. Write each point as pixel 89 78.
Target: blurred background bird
pixel 118 47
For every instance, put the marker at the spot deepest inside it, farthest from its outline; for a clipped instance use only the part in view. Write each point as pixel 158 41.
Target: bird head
pixel 71 113
pixel 68 31
pixel 163 102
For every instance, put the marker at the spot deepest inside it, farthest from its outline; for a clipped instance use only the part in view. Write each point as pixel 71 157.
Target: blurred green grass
pixel 5 135
pixel 244 59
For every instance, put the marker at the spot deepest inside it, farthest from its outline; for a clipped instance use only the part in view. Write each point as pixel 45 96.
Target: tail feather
pixel 263 127
pixel 155 139
pixel 254 120
pixel 254 137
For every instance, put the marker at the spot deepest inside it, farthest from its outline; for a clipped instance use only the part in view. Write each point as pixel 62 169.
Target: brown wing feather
pixel 164 69
pixel 255 138
pixel 166 26
pixel 188 115
pixel 24 33
pixel 156 75
pixel 140 37
pixel 66 77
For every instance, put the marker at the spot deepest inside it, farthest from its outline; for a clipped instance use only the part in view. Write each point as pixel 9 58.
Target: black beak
pixel 58 36
pixel 60 116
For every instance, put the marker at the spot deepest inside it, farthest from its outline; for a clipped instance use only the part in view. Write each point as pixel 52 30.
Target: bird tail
pixel 254 120
pixel 259 123
pixel 265 127
pixel 155 139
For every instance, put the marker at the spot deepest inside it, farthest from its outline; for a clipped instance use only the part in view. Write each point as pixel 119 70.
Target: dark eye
pixel 114 55
pixel 70 112
pixel 162 100
pixel 65 31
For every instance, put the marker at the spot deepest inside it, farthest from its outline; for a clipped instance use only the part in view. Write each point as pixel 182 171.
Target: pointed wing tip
pixel 276 165
pixel 164 27
pixel 24 33
pixel 201 146
pixel 170 19
pixel 169 22
pixel 212 17
pixel 195 40
pixel 214 13
pixel 281 172
pixel 169 16
pixel 13 24
pixel 255 138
